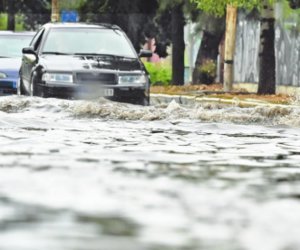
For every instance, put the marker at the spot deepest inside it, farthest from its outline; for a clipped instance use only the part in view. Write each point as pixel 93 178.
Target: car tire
pixel 35 90
pixel 145 98
pixel 143 101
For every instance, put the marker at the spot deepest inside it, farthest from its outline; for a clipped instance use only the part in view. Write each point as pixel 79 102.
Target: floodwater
pixel 98 175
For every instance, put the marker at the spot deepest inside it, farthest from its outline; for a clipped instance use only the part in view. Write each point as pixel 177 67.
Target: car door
pixel 27 63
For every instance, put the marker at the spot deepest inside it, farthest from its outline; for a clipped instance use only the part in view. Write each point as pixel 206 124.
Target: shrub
pixel 208 71
pixel 160 74
pixel 209 67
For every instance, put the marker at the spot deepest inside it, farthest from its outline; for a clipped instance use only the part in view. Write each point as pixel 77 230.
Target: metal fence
pixel 287 49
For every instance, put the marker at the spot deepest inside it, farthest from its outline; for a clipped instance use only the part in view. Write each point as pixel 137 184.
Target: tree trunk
pixel 230 36
pixel 178 45
pixel 267 64
pixel 11 21
pixel 209 48
pixel 294 4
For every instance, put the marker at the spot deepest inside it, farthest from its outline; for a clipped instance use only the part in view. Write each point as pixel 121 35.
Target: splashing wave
pixel 104 109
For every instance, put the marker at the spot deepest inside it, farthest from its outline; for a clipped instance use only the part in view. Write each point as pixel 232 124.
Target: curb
pixel 157 99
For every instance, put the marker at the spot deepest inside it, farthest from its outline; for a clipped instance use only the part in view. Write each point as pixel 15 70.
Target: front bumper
pixel 8 86
pixel 131 94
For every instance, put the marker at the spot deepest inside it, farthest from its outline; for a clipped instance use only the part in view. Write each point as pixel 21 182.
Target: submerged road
pixel 83 175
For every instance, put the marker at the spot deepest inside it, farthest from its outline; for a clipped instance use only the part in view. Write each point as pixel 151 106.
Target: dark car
pixel 76 60
pixel 11 44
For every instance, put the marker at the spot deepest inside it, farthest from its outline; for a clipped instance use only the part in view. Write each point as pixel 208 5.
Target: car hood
pixel 11 67
pixel 79 63
pixel 10 63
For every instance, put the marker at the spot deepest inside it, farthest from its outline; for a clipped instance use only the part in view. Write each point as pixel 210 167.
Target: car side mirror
pixel 28 50
pixel 30 54
pixel 145 53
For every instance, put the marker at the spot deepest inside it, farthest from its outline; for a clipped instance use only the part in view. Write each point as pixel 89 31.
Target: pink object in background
pixel 150 45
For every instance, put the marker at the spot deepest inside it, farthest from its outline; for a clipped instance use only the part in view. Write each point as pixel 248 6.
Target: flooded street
pixel 84 175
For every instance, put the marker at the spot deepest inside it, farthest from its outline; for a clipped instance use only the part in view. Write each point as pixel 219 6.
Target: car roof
pixel 81 25
pixel 17 33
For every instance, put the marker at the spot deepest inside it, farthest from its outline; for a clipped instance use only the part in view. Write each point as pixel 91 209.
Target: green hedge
pixel 160 74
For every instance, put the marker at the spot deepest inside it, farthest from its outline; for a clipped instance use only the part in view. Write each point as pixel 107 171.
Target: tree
pixel 178 45
pixel 70 4
pixel 294 4
pixel 267 80
pixel 213 29
pixel 10 7
pixel 34 12
pixel 179 11
pixel 135 17
pixel 11 15
pixel 267 61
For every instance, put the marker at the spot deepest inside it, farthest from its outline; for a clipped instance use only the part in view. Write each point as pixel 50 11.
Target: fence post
pixel 55 11
pixel 230 36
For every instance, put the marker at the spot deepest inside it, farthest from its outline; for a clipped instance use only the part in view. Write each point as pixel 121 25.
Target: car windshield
pixel 88 41
pixel 12 45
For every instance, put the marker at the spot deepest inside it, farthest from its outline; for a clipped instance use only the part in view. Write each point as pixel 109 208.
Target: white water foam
pixel 105 109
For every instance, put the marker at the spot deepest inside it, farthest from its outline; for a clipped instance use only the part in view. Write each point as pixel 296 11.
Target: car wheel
pixel 137 98
pixel 145 101
pixel 142 100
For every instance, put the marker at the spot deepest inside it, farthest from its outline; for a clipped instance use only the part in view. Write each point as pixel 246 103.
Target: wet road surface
pixel 83 175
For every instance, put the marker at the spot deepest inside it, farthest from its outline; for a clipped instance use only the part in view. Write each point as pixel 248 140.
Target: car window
pixel 37 39
pixel 12 45
pixel 88 41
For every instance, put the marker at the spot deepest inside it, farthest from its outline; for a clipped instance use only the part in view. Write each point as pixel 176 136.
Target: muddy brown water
pixel 85 175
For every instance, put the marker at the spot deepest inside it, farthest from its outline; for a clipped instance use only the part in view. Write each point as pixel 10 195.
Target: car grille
pixel 97 78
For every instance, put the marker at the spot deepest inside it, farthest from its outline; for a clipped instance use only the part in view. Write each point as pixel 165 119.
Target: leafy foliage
pixel 207 71
pixel 218 7
pixel 160 74
pixel 209 67
pixel 294 4
pixel 35 12
pixel 70 4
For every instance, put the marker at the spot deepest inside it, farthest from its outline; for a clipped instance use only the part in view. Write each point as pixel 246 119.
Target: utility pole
pixel 231 19
pixel 55 11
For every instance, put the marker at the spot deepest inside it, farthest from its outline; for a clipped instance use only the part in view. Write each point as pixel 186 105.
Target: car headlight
pixel 3 75
pixel 132 79
pixel 57 78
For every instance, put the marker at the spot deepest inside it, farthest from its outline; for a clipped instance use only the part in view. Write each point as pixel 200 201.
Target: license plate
pixel 107 92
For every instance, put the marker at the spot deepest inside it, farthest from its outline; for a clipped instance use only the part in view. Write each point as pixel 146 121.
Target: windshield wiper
pixel 104 55
pixel 94 54
pixel 55 53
